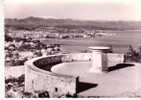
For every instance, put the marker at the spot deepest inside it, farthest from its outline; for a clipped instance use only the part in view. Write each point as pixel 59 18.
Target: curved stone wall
pixel 38 75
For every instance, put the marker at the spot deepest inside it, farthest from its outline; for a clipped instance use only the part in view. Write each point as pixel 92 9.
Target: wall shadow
pixel 119 66
pixel 82 86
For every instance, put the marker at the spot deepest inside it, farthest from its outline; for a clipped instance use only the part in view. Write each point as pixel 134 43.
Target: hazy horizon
pixel 77 19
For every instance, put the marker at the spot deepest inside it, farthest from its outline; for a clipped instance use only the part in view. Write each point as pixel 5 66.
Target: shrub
pixel 133 55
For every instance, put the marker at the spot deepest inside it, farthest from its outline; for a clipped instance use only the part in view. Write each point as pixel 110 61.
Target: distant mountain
pixel 42 22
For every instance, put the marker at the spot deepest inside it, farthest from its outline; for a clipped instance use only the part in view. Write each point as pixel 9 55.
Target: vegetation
pixel 14 87
pixel 133 55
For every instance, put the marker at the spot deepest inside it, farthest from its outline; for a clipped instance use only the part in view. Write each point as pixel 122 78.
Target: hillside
pixel 35 22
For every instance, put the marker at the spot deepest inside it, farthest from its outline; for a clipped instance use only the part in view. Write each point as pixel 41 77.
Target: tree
pixel 132 55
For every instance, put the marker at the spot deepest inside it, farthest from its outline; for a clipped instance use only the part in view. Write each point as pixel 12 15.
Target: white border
pixel 1 50
pixel 2 54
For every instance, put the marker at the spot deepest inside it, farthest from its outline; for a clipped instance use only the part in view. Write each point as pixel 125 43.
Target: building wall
pixel 114 58
pixel 39 80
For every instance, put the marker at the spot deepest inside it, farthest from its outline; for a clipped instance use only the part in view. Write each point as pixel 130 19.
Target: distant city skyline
pixel 108 10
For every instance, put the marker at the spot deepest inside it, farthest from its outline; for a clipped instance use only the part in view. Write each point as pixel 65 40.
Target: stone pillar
pixel 99 59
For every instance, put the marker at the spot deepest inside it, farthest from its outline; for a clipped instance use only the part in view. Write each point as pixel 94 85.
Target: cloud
pixel 76 9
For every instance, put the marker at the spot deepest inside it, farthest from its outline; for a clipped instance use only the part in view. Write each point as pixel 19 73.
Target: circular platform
pixel 124 80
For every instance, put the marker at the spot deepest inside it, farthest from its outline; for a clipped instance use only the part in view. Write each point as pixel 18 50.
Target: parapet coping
pixel 31 65
pixel 99 48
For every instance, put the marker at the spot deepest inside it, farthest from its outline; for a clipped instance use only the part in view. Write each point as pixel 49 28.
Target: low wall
pixel 77 57
pixel 111 58
pixel 37 79
pixel 114 58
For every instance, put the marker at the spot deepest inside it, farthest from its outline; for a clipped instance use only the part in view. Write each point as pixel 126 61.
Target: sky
pixel 75 9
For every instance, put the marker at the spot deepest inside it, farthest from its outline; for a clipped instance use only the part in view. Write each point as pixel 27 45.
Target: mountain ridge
pixel 45 22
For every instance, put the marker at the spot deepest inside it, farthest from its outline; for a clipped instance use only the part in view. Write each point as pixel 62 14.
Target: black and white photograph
pixel 72 48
